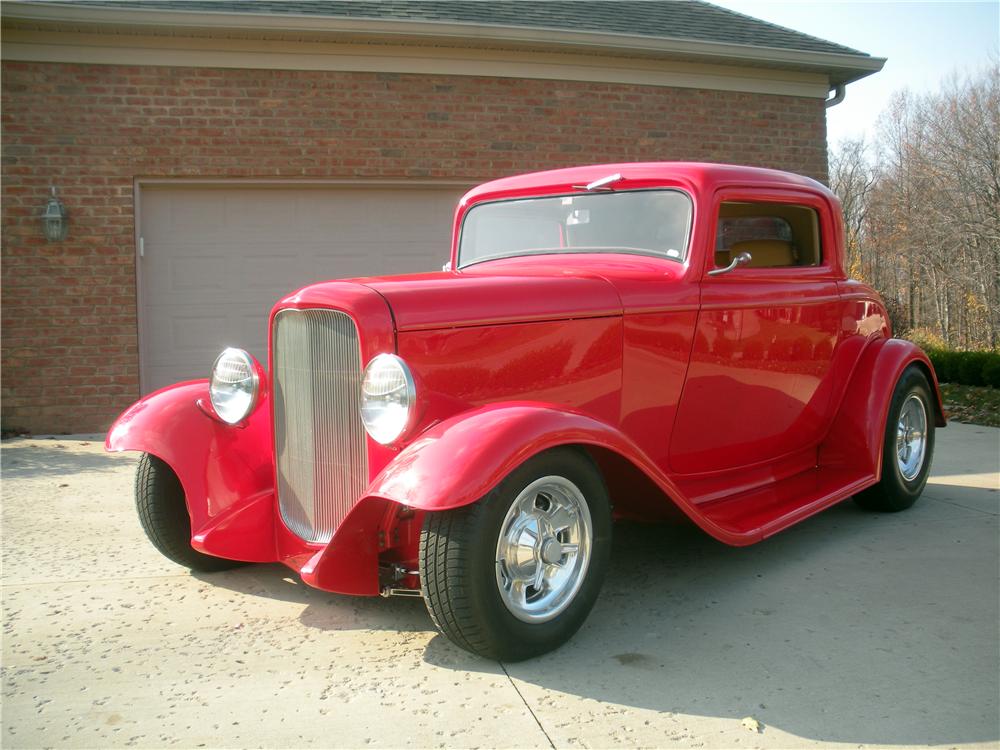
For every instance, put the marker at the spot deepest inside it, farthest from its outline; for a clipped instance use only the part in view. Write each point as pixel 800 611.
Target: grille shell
pixel 320 443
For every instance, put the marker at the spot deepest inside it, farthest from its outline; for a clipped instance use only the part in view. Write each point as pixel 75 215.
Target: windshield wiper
pixel 603 183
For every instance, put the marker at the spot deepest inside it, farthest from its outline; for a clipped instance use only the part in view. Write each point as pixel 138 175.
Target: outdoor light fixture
pixel 55 219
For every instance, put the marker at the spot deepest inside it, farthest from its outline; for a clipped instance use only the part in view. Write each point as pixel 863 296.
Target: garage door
pixel 214 260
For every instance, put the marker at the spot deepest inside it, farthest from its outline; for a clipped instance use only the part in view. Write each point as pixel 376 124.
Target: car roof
pixel 696 176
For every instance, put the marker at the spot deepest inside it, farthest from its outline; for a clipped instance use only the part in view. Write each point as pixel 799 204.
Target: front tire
pixel 163 515
pixel 907 448
pixel 516 574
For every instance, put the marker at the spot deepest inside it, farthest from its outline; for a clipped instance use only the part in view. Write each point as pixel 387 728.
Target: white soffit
pixel 108 35
pixel 105 49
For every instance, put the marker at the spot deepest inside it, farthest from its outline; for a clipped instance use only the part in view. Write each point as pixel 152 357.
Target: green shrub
pixel 991 371
pixel 966 368
pixel 970 368
pixel 943 361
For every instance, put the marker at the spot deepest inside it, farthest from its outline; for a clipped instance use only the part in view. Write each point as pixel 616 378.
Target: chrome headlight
pixel 387 398
pixel 234 385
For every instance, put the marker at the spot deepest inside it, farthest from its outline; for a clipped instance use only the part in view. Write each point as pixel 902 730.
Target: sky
pixel 923 41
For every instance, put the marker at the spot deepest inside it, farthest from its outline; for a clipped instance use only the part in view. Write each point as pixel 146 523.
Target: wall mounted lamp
pixel 55 219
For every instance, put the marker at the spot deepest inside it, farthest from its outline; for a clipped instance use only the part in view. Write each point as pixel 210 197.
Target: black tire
pixel 163 514
pixel 894 492
pixel 458 564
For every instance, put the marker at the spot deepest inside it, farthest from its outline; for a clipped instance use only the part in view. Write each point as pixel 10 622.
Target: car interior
pixel 777 235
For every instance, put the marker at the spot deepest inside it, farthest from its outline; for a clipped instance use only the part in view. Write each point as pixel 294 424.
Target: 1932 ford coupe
pixel 623 340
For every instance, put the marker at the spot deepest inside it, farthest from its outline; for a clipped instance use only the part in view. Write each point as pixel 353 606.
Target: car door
pixel 758 384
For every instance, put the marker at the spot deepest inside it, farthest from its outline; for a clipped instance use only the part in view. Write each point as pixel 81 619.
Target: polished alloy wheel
pixel 544 549
pixel 911 437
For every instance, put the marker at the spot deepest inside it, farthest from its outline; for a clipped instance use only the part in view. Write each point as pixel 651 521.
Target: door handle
pixel 740 260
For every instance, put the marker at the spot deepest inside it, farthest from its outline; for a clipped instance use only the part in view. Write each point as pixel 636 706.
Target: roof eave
pixel 841 68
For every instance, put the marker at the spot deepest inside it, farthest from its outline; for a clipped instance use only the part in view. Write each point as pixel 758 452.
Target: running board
pixel 759 513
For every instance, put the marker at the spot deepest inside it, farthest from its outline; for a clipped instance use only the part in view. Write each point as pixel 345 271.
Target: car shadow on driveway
pixel 57 457
pixel 323 610
pixel 852 627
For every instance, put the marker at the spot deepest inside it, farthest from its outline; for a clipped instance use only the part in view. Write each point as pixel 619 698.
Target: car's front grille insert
pixel 322 463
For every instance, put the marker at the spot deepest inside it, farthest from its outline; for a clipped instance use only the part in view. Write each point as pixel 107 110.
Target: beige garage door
pixel 215 259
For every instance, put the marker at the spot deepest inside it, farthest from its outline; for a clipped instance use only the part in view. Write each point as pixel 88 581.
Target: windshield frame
pixel 582 250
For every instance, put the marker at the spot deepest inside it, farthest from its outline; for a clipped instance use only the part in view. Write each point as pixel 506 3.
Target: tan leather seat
pixel 765 253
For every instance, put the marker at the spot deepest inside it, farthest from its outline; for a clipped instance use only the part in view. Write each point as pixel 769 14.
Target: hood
pixel 458 300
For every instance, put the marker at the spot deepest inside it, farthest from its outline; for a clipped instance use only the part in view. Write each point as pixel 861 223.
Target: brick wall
pixel 69 342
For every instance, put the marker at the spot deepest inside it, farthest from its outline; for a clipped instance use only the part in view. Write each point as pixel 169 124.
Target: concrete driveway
pixel 850 628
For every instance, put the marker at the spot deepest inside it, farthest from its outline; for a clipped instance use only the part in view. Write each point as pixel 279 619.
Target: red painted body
pixel 747 401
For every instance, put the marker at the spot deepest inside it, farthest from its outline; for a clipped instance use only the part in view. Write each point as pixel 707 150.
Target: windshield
pixel 647 222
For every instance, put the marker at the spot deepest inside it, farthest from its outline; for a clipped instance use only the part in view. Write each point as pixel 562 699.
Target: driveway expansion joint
pixel 525 702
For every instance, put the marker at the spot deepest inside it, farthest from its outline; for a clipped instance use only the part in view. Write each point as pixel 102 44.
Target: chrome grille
pixel 322 462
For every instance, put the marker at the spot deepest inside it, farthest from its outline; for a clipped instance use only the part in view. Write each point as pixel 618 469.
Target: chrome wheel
pixel 911 437
pixel 544 549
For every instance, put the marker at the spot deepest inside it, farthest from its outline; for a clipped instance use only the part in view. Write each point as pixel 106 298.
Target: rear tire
pixel 907 447
pixel 163 514
pixel 516 574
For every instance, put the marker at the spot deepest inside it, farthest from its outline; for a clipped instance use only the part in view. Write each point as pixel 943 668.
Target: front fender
pixel 459 460
pixel 855 439
pixel 226 471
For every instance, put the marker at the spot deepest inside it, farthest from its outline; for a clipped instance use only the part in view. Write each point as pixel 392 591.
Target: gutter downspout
pixel 838 96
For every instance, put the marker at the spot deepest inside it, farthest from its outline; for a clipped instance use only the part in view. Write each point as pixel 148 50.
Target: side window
pixel 777 235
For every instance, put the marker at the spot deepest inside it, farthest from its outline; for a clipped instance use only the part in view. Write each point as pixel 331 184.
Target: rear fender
pixel 226 471
pixel 855 439
pixel 458 461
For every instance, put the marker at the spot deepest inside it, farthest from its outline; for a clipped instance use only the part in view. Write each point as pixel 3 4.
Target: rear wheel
pixel 516 574
pixel 908 446
pixel 163 514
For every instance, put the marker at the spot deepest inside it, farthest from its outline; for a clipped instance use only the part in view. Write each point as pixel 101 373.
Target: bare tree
pixel 922 208
pixel 852 178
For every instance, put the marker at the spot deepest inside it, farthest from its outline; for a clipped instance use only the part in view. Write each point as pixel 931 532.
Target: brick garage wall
pixel 69 337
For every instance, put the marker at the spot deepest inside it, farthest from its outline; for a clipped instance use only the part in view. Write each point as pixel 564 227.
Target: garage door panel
pixel 249 337
pixel 267 273
pixel 341 266
pixel 356 215
pixel 413 262
pixel 217 258
pixel 186 343
pixel 263 211
pixel 171 269
pixel 188 333
pixel 191 343
pixel 203 330
pixel 171 213
pixel 197 273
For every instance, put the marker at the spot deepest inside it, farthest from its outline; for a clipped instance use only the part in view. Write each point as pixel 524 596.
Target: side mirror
pixel 740 260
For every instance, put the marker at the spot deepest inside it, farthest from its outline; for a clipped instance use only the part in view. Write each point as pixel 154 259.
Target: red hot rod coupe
pixel 614 340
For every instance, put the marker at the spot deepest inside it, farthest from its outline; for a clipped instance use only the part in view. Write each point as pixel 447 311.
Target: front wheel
pixel 907 449
pixel 516 574
pixel 163 514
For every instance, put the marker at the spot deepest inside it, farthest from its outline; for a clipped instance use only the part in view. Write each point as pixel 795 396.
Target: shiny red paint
pixel 759 371
pixel 430 302
pixel 576 364
pixel 854 440
pixel 746 401
pixel 225 471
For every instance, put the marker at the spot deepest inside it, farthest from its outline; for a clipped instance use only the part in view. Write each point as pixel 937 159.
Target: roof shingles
pixel 672 19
